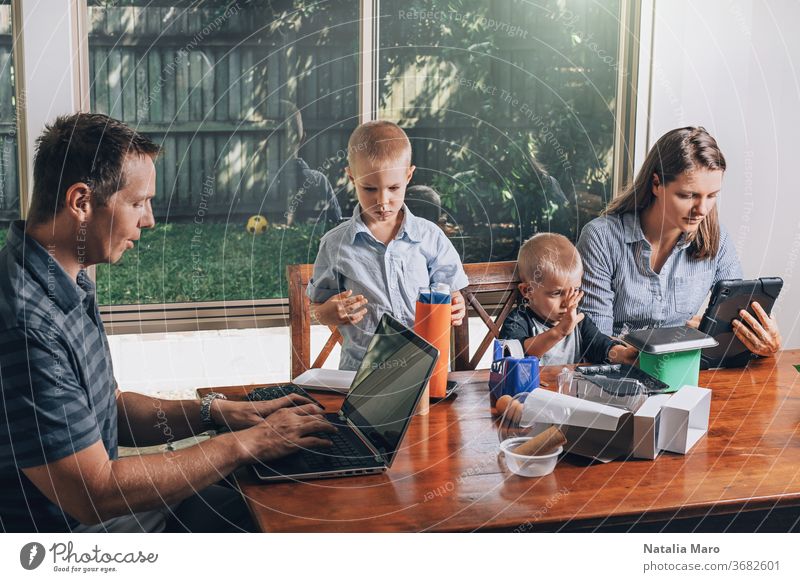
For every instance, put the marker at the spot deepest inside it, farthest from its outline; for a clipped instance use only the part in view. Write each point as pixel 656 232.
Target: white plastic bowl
pixel 525 465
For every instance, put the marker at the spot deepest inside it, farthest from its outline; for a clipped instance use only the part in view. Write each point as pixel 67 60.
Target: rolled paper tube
pixel 542 443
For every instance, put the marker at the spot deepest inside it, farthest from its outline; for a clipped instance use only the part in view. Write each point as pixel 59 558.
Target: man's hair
pixel 83 147
pixel 546 254
pixel 380 142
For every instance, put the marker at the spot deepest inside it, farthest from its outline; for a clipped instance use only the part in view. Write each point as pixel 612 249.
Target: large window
pixel 253 103
pixel 510 108
pixel 9 179
pixel 510 105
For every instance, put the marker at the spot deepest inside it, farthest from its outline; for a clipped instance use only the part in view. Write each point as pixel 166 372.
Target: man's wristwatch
pixel 205 409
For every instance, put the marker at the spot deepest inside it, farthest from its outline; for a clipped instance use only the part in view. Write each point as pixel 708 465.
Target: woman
pixel 658 249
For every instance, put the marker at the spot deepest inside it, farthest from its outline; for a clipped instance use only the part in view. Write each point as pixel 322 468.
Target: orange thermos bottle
pixel 432 323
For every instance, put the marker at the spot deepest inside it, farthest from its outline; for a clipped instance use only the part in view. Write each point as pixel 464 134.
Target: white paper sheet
pixel 545 406
pixel 325 379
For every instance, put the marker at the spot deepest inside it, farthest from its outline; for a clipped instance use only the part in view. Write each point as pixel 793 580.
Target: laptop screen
pixel 388 385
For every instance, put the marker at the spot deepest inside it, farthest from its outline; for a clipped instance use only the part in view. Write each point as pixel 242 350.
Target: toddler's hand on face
pixel 571 318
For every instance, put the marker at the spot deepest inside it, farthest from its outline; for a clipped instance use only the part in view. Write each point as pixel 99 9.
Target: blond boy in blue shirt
pixel 375 262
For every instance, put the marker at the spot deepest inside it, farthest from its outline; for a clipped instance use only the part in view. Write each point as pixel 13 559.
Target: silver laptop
pixel 375 414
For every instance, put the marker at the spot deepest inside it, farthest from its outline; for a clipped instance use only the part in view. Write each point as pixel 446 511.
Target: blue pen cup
pixel 511 376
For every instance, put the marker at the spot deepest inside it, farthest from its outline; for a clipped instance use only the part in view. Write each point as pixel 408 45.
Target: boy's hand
pixel 571 318
pixel 459 308
pixel 619 354
pixel 342 309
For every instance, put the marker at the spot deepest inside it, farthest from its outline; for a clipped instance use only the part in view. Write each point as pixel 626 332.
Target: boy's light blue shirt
pixel 389 276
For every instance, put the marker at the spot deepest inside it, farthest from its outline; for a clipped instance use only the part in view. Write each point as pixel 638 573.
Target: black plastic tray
pixel 621 371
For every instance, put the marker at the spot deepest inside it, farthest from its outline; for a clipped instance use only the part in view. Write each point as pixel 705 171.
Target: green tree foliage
pixel 500 91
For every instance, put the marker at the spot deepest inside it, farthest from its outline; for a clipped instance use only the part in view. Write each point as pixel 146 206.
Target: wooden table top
pixel 448 477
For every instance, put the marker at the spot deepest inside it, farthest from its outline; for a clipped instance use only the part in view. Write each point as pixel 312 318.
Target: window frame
pixel 258 313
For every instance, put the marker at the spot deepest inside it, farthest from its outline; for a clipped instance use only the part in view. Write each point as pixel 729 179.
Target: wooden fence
pixel 216 89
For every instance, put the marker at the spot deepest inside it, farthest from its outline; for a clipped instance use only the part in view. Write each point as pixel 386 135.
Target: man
pixel 61 413
pixel 311 196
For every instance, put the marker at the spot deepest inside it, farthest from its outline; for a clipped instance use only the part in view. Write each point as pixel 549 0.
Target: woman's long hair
pixel 677 151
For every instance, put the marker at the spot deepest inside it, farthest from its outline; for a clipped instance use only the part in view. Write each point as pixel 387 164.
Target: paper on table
pixel 326 379
pixel 544 406
pixel 684 419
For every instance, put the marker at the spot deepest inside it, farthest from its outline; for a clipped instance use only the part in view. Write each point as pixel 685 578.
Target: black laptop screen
pixel 388 385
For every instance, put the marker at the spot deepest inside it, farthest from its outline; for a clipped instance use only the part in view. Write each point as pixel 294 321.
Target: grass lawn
pixel 212 262
pixel 207 262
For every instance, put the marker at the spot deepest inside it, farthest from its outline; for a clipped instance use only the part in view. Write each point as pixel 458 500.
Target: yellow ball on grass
pixel 257 224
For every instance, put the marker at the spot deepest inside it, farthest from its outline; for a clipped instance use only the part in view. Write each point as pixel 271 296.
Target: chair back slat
pixel 484 279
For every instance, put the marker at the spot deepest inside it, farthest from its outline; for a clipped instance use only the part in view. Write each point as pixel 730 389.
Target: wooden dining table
pixel 448 476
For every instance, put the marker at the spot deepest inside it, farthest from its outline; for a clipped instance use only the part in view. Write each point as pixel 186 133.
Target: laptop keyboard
pixel 273 392
pixel 342 454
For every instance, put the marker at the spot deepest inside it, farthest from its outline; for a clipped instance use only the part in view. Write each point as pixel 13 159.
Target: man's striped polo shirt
pixel 56 379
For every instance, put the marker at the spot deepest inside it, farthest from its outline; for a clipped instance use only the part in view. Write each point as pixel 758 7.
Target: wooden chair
pixel 491 294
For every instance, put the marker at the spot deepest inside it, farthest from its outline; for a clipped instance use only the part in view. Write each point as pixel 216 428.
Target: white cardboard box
pixel 593 430
pixel 684 419
pixel 646 427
